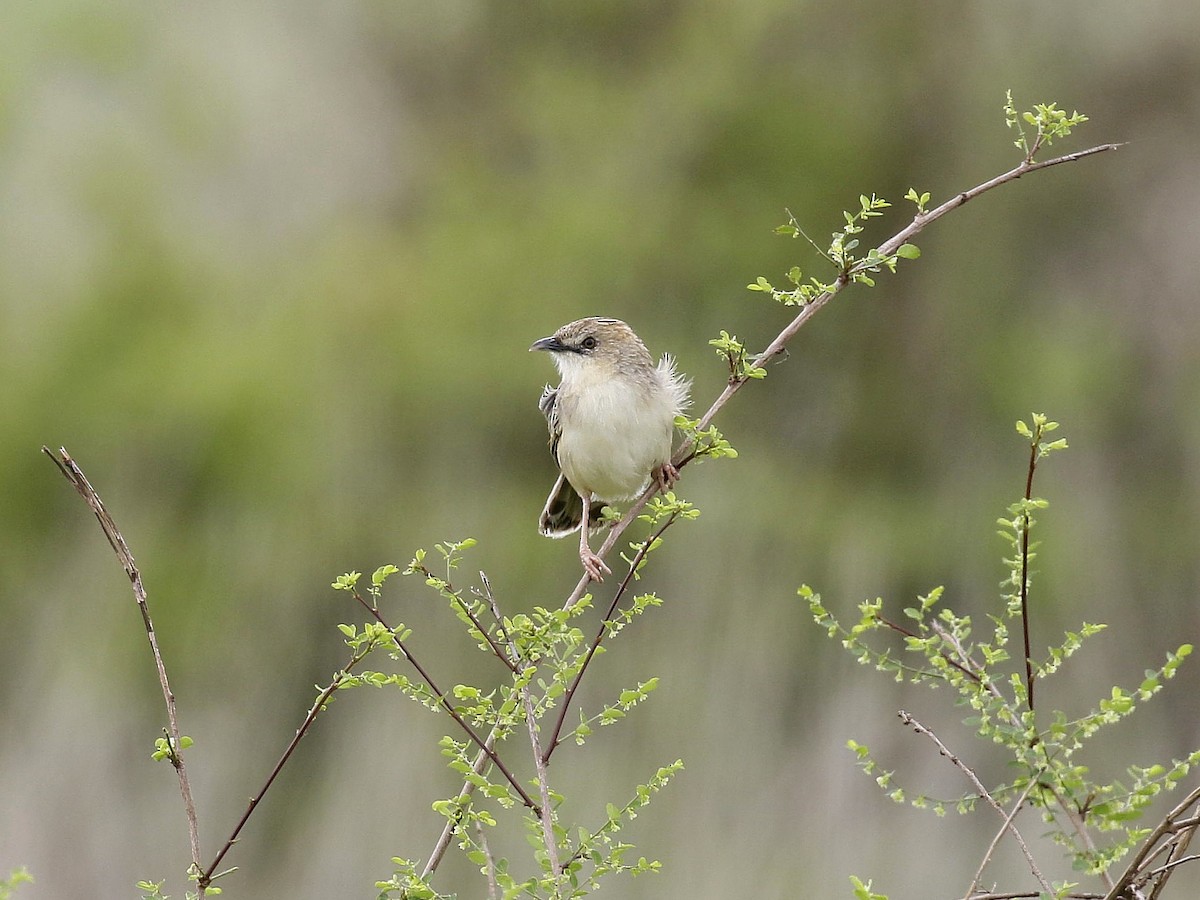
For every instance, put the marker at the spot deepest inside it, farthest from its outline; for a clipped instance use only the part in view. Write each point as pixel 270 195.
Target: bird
pixel 612 425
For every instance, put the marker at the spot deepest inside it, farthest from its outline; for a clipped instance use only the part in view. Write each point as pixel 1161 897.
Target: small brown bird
pixel 612 425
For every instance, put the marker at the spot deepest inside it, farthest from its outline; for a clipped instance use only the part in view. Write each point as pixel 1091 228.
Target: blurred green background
pixel 269 271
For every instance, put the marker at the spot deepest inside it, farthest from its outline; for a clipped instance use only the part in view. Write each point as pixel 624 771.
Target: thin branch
pixel 491 641
pixel 445 704
pixel 546 810
pixel 1134 872
pixel 987 857
pixel 470 614
pixel 443 842
pixel 1033 453
pixel 1033 895
pixel 71 471
pixel 489 863
pixel 900 629
pixel 539 759
pixel 888 248
pixel 481 758
pixel 316 709
pixel 907 719
pixel 486 596
pixel 555 739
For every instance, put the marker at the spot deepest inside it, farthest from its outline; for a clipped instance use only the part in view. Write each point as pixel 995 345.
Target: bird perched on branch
pixel 612 425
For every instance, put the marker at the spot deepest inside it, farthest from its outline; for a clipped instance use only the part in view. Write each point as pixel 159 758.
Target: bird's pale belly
pixel 612 457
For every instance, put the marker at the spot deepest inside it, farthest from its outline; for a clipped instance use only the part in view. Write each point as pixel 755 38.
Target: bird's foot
pixel 593 565
pixel 666 475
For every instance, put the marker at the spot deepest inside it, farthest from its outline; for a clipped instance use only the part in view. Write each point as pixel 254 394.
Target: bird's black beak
pixel 553 344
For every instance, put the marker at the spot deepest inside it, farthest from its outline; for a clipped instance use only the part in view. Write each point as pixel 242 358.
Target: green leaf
pixel 909 251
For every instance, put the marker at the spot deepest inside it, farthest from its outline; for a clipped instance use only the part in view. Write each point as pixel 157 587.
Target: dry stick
pixel 74 474
pixel 491 641
pixel 539 762
pixel 1179 846
pixel 443 841
pixel 490 863
pixel 470 614
pixel 987 857
pixel 907 719
pixel 1034 895
pixel 687 453
pixel 1169 825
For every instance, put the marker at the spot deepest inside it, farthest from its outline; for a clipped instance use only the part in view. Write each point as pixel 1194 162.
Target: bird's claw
pixel 666 475
pixel 593 565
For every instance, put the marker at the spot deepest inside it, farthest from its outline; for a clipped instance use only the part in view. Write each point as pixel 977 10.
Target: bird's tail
pixel 564 511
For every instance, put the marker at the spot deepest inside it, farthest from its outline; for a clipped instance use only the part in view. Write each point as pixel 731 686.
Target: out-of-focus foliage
pixel 269 272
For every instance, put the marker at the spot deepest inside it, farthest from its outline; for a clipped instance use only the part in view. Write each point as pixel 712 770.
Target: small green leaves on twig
pixel 921 200
pixel 841 253
pixel 706 443
pixel 1095 821
pixel 13 881
pixel 735 355
pixel 547 654
pixel 164 748
pixel 1041 427
pixel 862 890
pixel 1049 123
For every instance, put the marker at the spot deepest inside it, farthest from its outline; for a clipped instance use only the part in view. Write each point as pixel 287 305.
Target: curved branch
pixel 71 471
pixel 888 248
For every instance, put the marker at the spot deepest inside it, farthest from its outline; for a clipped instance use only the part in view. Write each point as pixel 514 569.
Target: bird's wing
pixel 548 404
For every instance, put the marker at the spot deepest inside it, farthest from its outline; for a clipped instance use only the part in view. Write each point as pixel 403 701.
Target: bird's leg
pixel 592 564
pixel 666 475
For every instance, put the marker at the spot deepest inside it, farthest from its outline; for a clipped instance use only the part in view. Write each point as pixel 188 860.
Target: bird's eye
pixel 589 343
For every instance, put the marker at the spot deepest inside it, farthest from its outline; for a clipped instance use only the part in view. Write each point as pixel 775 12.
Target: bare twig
pixel 1170 831
pixel 487 597
pixel 1033 895
pixel 907 719
pixel 987 857
pixel 208 874
pixel 539 758
pixel 489 864
pixel 481 758
pixel 470 614
pixel 546 810
pixel 71 471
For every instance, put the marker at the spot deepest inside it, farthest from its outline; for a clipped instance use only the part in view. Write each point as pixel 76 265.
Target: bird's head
pixel 595 343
